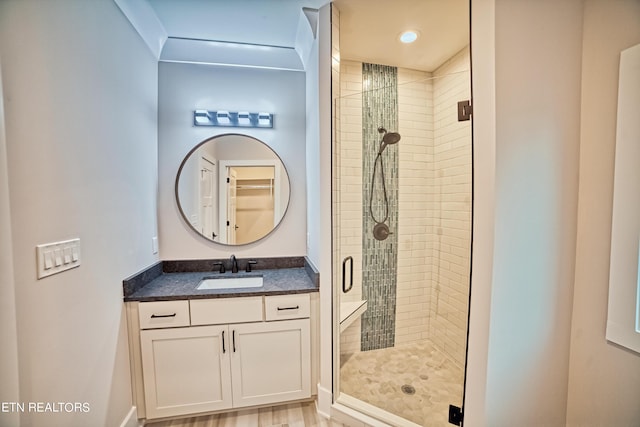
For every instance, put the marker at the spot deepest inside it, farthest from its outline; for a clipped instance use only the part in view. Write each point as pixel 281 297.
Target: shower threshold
pixel 366 411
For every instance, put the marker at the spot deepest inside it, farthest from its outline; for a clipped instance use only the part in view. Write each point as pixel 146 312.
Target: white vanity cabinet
pixel 271 362
pixel 186 370
pixel 231 354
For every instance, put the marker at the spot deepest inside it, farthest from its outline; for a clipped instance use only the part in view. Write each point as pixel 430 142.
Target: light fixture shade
pixel 223 118
pixel 202 118
pixel 244 119
pixel 264 119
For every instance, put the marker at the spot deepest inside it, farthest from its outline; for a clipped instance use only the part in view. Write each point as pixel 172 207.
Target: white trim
pixel 131 420
pixel 146 23
pixel 483 60
pixel 323 404
pixel 306 34
pixel 230 54
pixel 623 316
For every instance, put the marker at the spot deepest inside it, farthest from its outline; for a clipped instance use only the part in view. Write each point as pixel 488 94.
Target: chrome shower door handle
pixel 348 259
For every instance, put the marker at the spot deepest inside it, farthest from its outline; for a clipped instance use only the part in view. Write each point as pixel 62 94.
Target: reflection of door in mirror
pixel 232 224
pixel 208 215
pixel 250 202
pixel 198 191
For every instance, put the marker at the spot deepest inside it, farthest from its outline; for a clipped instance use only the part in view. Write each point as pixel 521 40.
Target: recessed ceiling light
pixel 409 36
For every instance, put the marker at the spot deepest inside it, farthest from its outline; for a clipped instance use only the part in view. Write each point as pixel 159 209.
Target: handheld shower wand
pixel 381 230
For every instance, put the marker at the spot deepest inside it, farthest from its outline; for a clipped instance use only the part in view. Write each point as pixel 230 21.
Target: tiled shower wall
pixel 452 213
pixel 434 202
pixel 350 194
pixel 415 105
pixel 415 114
pixel 380 257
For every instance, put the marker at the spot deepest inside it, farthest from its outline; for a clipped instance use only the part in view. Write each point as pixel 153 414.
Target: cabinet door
pixel 186 370
pixel 270 362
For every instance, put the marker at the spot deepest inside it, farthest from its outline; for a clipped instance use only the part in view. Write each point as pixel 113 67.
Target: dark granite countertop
pixel 160 285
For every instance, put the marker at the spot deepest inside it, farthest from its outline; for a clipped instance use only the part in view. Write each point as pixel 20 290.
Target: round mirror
pixel 232 189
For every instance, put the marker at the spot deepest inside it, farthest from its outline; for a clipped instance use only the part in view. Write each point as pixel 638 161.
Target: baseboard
pixel 131 420
pixel 324 402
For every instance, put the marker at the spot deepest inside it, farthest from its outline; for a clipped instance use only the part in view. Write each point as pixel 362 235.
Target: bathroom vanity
pixel 196 350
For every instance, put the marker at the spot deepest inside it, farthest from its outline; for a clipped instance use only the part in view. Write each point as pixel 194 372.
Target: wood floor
pixel 292 415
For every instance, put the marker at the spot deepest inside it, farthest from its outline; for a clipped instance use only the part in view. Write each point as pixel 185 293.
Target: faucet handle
pixel 249 264
pixel 221 264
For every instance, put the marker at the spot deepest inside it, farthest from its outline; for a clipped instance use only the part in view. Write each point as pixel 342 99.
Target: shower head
pixel 388 139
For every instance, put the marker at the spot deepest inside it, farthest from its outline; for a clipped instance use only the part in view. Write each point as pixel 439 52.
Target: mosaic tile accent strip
pixel 379 257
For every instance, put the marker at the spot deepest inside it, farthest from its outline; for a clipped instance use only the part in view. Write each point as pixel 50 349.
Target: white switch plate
pixel 154 244
pixel 56 257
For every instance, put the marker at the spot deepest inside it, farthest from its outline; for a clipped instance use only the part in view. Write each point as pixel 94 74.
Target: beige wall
pixel 80 91
pixel 183 87
pixel 538 49
pixel 604 379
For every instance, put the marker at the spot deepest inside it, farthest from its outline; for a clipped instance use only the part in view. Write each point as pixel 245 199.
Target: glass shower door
pixel 402 298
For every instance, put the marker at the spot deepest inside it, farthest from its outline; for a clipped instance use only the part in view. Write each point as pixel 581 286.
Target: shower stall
pixel 402 168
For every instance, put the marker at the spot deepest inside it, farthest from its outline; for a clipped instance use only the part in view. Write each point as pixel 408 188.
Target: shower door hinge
pixel 464 111
pixel 455 415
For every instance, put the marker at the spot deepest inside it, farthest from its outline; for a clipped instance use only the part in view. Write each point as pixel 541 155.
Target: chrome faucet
pixel 234 264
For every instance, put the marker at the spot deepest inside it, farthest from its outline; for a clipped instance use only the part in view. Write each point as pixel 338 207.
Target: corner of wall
pixel 10 390
pixel 146 23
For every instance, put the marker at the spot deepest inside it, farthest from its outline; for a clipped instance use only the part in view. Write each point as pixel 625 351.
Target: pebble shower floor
pixel 378 377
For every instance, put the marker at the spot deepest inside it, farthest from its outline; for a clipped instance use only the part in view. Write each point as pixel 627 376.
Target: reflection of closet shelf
pixel 254 187
pixel 350 312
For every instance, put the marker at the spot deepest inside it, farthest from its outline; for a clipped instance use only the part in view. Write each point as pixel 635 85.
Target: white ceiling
pixel 369 29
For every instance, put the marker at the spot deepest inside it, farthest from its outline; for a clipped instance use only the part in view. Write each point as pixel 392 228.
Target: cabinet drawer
pixel 163 314
pixel 281 307
pixel 226 310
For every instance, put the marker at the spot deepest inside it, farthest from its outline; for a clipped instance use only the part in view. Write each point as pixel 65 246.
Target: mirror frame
pixel 193 150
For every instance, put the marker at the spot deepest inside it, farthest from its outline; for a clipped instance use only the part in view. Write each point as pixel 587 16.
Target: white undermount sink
pixel 230 282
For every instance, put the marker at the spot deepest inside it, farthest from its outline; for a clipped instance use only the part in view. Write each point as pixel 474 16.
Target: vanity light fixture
pixel 409 36
pixel 241 119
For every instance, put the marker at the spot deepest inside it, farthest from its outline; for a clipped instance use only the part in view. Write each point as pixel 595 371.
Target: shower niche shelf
pixel 350 311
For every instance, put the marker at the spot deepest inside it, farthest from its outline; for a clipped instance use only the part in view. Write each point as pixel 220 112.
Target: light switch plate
pixel 56 257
